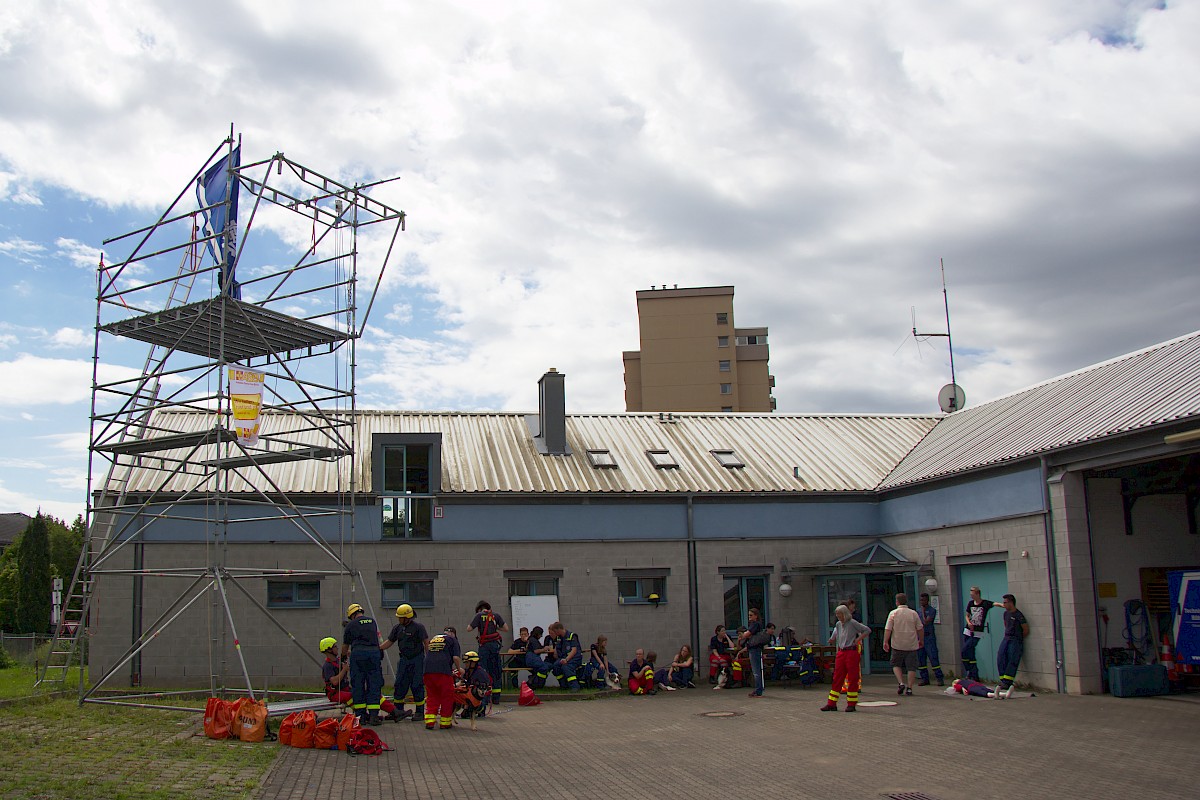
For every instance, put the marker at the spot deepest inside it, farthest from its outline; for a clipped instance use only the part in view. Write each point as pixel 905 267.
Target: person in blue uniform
pixel 488 626
pixel 927 657
pixel 471 691
pixel 1008 657
pixel 516 653
pixel 360 641
pixel 336 675
pixel 535 661
pixel 568 656
pixel 411 640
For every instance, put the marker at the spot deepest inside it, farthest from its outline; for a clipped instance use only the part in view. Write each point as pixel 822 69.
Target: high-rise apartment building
pixel 693 358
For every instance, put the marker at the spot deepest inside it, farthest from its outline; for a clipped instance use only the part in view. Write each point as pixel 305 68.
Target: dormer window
pixel 662 459
pixel 602 459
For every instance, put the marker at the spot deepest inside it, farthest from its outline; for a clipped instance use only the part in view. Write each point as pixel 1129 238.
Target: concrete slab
pixel 702 743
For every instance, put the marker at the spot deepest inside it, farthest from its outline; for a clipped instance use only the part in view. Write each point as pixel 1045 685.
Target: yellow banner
pixel 245 396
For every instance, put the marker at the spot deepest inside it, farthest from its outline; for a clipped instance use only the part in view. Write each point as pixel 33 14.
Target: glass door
pixel 834 592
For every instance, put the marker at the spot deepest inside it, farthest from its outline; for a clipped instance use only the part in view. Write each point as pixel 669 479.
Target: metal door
pixel 992 580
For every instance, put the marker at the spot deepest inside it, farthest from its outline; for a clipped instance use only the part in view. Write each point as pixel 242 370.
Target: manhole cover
pixel 876 703
pixel 908 796
pixel 721 714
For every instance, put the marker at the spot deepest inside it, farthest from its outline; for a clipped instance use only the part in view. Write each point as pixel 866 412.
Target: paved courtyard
pixel 780 746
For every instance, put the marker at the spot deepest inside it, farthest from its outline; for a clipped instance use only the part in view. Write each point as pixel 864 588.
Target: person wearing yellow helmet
pixel 335 673
pixel 411 640
pixel 472 690
pixel 360 641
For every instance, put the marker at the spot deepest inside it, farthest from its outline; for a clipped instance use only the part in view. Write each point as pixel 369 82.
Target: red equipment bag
pixel 218 718
pixel 251 720
pixel 304 727
pixel 346 728
pixel 285 728
pixel 326 735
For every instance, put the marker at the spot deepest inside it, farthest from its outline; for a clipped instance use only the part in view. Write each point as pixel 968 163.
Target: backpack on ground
pixel 365 742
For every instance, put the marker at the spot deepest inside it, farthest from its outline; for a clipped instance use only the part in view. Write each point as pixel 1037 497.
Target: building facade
pixel 693 357
pixel 1078 496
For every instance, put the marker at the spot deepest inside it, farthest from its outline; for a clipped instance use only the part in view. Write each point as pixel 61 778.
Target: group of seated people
pixel 729 661
pixel 558 652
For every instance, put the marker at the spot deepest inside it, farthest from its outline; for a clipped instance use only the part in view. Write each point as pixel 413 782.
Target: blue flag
pixel 220 185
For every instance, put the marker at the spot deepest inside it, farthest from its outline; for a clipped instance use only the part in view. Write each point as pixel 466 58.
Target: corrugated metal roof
pixel 495 453
pixel 782 453
pixel 1157 385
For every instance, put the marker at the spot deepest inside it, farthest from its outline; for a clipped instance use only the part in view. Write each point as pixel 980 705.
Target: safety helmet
pixel 404 611
pixel 470 655
pixel 327 643
pixel 353 609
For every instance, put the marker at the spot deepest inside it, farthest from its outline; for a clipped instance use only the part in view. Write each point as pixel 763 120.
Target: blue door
pixel 992 580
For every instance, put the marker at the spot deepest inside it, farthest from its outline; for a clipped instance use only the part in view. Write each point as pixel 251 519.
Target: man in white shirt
pixel 903 637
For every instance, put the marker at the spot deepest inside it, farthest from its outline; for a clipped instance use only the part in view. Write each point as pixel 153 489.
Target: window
pixel 602 459
pixel 407 517
pixel 637 591
pixel 405 483
pixel 745 340
pixel 662 459
pixel 727 409
pixel 293 594
pixel 418 593
pixel 532 587
pixel 726 388
pixel 722 341
pixel 722 318
pixel 723 366
pixel 742 593
pixel 727 458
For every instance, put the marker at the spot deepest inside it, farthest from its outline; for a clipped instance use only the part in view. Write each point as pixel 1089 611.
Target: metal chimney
pixel 552 414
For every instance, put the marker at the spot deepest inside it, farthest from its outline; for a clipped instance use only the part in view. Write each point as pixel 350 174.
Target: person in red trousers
pixel 847 634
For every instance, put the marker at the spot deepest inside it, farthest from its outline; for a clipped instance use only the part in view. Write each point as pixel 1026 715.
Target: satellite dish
pixel 952 398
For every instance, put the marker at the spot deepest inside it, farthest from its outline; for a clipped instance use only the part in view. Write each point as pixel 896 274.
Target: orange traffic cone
pixel 1167 659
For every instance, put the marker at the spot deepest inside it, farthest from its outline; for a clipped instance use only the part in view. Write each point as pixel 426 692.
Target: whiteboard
pixel 530 611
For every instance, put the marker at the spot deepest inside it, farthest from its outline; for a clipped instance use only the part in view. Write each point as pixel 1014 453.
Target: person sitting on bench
pixel 539 668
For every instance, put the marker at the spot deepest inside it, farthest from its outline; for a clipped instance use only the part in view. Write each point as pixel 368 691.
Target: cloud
pixel 30 381
pixel 70 337
pixel 78 253
pixel 21 250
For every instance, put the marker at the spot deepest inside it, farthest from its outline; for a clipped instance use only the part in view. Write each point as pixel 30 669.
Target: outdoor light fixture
pixel 931 585
pixel 785 585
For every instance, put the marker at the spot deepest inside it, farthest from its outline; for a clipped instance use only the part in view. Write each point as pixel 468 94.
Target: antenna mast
pixel 952 397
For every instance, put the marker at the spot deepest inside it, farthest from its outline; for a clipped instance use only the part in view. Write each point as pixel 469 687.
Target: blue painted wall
pixel 993 496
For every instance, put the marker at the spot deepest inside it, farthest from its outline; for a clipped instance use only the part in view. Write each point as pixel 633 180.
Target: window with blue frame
pixel 418 593
pixel 293 594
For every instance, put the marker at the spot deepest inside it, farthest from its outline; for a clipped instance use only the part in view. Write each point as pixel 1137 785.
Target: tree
pixel 65 546
pixel 33 587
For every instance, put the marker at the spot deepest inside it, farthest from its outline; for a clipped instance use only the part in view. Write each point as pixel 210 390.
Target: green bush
pixel 6 661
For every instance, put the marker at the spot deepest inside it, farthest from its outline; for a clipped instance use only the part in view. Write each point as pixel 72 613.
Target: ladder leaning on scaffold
pixel 65 650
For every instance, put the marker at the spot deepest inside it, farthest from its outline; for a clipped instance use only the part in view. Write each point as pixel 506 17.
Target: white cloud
pixel 70 337
pixel 21 250
pixel 19 501
pixel 81 255
pixel 30 381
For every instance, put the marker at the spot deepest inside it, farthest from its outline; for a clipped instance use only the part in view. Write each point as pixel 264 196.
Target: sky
pixel 554 158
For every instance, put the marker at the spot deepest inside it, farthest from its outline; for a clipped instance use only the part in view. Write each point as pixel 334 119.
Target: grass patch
pixel 18 682
pixel 59 749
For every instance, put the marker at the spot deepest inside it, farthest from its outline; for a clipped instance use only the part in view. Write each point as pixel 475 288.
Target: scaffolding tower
pixel 165 450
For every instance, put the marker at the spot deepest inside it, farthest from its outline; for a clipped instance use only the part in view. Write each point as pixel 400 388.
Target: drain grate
pixel 722 714
pixel 908 796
